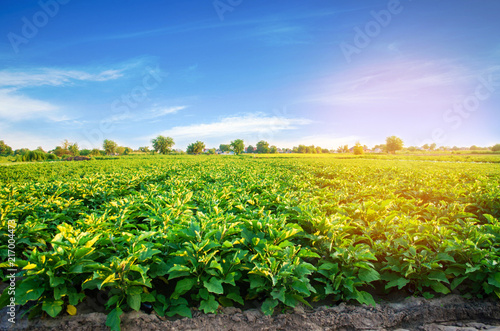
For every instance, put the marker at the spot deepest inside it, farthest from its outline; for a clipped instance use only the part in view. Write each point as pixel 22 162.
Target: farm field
pixel 180 232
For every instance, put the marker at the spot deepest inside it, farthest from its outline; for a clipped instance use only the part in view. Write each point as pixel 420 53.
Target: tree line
pixel 164 145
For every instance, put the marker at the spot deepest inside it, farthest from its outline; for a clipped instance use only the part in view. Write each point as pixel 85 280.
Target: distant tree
pixel 224 148
pixel 238 146
pixel 496 148
pixel 211 151
pixel 412 148
pixel 324 150
pixel 74 149
pixel 302 149
pixel 95 152
pixel 393 144
pixel 196 148
pixel 426 146
pixel 85 152
pixel 273 149
pixel 250 149
pixel 109 146
pixel 346 149
pixel 144 149
pixel 121 150
pixel 21 151
pixel 432 146
pixel 4 149
pixel 59 151
pixel 262 147
pixel 473 148
pixel 163 144
pixel 66 144
pixel 295 150
pixel 455 148
pixel 319 150
pixel 358 149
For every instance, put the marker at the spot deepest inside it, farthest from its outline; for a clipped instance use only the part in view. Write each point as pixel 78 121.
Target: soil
pixel 448 313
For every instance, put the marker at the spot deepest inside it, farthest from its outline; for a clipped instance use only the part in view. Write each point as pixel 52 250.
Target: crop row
pixel 180 233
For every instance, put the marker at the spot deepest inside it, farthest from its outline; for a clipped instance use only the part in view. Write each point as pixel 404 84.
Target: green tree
pixel 4 149
pixel 163 144
pixel 319 150
pixel 121 150
pixel 262 147
pixel 59 151
pixel 224 148
pixel 250 149
pixel 95 152
pixel 426 146
pixel 432 146
pixel 238 146
pixel 273 149
pixel 496 148
pixel 393 144
pixel 109 146
pixel 196 148
pixel 144 149
pixel 74 149
pixel 302 149
pixel 358 149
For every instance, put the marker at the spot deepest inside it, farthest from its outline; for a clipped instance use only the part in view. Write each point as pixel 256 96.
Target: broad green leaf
pixel 113 319
pixel 210 305
pixel 214 285
pixel 368 275
pixel 134 301
pixel 52 307
pixel 183 286
pixel 268 306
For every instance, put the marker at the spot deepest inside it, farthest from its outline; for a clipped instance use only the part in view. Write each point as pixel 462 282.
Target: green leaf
pixel 183 286
pixel 400 283
pixel 439 276
pixel 134 301
pixel 444 257
pixel 440 287
pixel 81 252
pixel 52 307
pixel 494 280
pixel 268 306
pixel 180 310
pixel 301 287
pixel 214 286
pixel 279 294
pixel 364 297
pixel 236 298
pixel 113 319
pixel 210 305
pixel 368 275
pixel 457 281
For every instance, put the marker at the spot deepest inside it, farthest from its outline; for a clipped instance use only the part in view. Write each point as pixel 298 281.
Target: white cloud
pixel 153 113
pixel 17 107
pixel 52 77
pixel 237 125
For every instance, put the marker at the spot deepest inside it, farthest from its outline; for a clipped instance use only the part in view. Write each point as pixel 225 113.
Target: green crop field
pixel 175 233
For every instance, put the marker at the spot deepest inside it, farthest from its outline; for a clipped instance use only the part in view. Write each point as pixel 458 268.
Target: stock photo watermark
pixel 121 107
pixel 31 26
pixel 223 6
pixel 364 35
pixel 487 85
pixel 11 271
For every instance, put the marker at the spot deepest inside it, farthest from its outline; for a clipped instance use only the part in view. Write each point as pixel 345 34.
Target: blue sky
pixel 317 72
